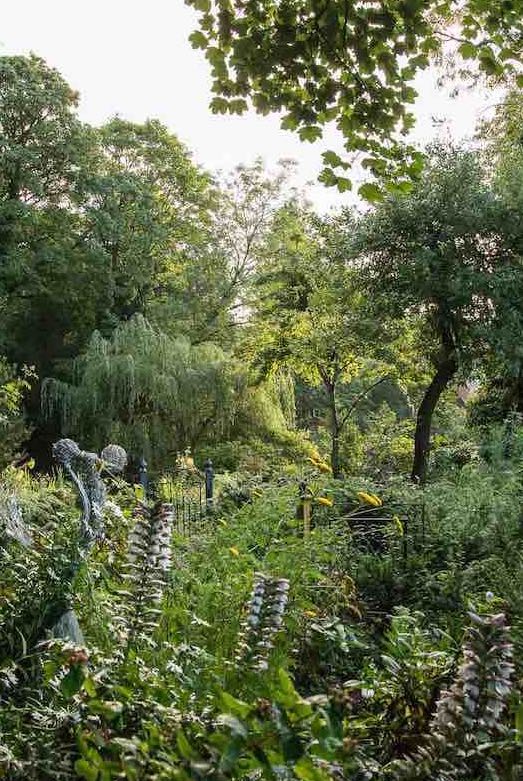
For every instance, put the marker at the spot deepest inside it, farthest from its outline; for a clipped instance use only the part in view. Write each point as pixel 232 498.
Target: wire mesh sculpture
pixel 84 469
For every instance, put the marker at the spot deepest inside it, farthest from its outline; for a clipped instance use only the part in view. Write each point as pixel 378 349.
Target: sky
pixel 133 58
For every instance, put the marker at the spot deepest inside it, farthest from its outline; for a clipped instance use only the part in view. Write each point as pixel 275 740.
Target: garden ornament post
pixel 84 470
pixel 209 484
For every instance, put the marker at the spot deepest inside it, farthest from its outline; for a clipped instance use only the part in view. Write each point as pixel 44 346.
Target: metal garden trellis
pixel 190 493
pixel 365 522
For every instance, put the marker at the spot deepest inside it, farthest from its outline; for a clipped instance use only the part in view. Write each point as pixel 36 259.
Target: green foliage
pixel 179 315
pixel 352 671
pixel 440 254
pixel 467 731
pixel 350 65
pixel 39 132
pixel 312 318
pixel 144 201
pixel 148 391
pixel 13 429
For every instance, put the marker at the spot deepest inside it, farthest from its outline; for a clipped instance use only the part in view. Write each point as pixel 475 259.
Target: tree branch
pixel 359 397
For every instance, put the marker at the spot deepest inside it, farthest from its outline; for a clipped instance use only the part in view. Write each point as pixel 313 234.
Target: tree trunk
pixel 446 370
pixel 335 431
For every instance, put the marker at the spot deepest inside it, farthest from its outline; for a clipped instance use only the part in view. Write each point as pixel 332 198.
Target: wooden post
pixel 304 509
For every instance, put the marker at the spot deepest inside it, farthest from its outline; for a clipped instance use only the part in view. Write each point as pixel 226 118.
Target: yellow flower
pixel 234 551
pixel 371 499
pixel 324 501
pixel 319 464
pixel 398 524
pixel 310 613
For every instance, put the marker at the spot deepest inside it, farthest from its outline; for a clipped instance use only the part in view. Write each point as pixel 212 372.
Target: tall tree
pixel 50 286
pixel 210 296
pixel 311 316
pixel 503 136
pixel 435 255
pixel 146 203
pixel 94 224
pixel 41 138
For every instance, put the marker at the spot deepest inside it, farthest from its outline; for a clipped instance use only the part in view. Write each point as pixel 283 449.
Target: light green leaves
pixel 371 192
pixel 198 40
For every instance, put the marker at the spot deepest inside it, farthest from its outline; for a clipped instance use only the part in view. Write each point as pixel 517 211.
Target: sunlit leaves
pixel 371 192
pixel 351 64
pixel 198 40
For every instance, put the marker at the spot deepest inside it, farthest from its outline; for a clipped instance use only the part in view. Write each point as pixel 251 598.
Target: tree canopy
pixel 439 254
pixel 349 63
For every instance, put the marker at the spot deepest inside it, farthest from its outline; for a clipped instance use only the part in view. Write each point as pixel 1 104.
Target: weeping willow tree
pixel 150 393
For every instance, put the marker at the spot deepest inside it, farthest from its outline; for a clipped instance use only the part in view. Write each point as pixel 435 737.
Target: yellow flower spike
pixel 324 501
pixel 371 499
pixel 398 524
pixel 310 613
pixel 325 468
pixel 234 551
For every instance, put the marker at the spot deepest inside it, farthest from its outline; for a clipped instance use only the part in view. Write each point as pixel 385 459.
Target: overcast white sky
pixel 132 57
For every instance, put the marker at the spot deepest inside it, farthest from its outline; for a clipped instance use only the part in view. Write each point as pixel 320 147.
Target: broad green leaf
pixel 328 177
pixel 198 40
pixel 371 192
pixel 232 705
pixel 184 747
pixel 202 5
pixel 310 133
pixel 89 686
pixel 219 106
pixel 343 184
pixel 332 159
pixel 85 770
pixel 468 50
pixel 306 770
pixel 72 682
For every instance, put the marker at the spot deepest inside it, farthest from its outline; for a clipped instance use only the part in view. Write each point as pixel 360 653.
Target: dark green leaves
pixel 73 680
pixel 310 133
pixel 349 63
